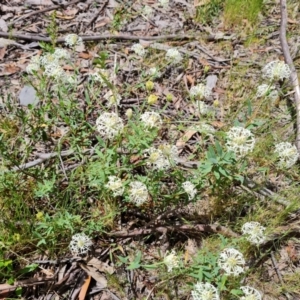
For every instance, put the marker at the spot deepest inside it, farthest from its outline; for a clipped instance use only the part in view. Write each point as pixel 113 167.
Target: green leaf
pixel 211 153
pixel 219 149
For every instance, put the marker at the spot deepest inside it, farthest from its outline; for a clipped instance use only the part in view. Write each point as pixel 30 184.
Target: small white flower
pixel 138 49
pixel 115 185
pixel 164 3
pixel 73 40
pixel 34 65
pixel 154 72
pixel 250 293
pixel 205 291
pixel 151 119
pixel 147 10
pixel 203 108
pixel 173 55
pixel 276 70
pixel 254 232
pixel 288 154
pixel 231 261
pixel 49 59
pixel 240 140
pixel 138 193
pixel 109 125
pixel 171 260
pixel 54 70
pixel 60 53
pixel 99 76
pixel 200 91
pixel 190 189
pixel 112 98
pixel 80 244
pixel 156 159
pixel 170 152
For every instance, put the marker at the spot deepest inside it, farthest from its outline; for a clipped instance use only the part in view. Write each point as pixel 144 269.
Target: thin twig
pixel 96 15
pixel 275 266
pixel 86 38
pixel 42 11
pixel 288 59
pixel 210 228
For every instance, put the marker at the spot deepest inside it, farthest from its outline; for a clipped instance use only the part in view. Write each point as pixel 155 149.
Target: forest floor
pixel 119 176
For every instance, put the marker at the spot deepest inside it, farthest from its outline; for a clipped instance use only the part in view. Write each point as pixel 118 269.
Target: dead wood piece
pixel 210 228
pixel 288 59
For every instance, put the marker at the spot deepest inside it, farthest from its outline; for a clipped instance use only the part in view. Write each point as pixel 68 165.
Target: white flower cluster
pixel 171 260
pixel 147 10
pixel 276 70
pixel 115 185
pixel 231 261
pixel 80 244
pixel 161 158
pixel 163 3
pixel 138 49
pixel 240 140
pixel 205 291
pixel 154 72
pixel 170 152
pixel 173 55
pixel 266 90
pixel 109 125
pixel 98 76
pixel 200 91
pixel 151 119
pixel 73 40
pixel 250 293
pixel 288 154
pixel 112 98
pixel 254 232
pixel 50 62
pixel 190 189
pixel 138 193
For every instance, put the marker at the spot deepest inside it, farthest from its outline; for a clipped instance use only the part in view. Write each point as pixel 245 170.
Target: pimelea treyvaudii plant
pixel 138 193
pixel 170 152
pixel 98 76
pixel 231 261
pixel 250 293
pixel 276 70
pixel 156 159
pixel 138 49
pixel 109 125
pixel 205 291
pixel 151 119
pixel 200 91
pixel 73 40
pixel 171 260
pixel 173 56
pixel 287 153
pixel 254 232
pixel 268 91
pixel 154 72
pixel 240 141
pixel 115 184
pixel 190 189
pixel 80 244
pixel 112 98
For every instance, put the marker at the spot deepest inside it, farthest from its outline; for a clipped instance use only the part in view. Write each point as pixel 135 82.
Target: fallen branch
pixel 288 59
pixel 210 228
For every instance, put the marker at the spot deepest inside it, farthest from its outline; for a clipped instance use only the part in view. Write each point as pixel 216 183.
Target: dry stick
pixel 43 11
pixel 211 228
pixel 85 38
pixel 288 59
pixel 96 15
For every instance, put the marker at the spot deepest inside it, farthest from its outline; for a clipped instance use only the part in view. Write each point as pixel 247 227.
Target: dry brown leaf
pixel 182 141
pixel 2 52
pixel 84 288
pixel 100 265
pixel 85 55
pixel 217 124
pixel 92 271
pixel 9 69
pixel 190 79
pixel 6 289
pixel 102 22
